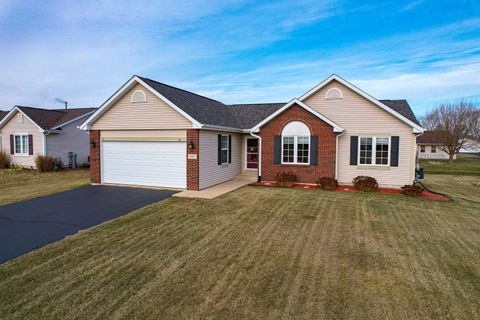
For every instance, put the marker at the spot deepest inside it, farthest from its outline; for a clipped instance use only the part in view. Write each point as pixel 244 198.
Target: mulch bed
pixel 425 194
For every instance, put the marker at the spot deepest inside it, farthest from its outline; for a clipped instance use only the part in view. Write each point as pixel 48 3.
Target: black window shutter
pixel 395 145
pixel 277 150
pixel 219 149
pixel 314 150
pixel 353 150
pixel 229 148
pixel 12 145
pixel 30 144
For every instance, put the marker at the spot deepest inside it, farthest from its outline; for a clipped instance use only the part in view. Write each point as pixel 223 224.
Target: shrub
pixel 326 183
pixel 286 179
pixel 4 163
pixel 44 163
pixel 412 190
pixel 365 183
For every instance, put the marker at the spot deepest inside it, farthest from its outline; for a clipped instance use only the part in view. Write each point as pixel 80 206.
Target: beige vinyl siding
pixel 143 134
pixel 210 172
pixel 70 139
pixel 361 117
pixel 27 127
pixel 153 114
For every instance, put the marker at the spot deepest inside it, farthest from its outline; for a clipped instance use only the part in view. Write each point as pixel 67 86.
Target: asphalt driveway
pixel 31 224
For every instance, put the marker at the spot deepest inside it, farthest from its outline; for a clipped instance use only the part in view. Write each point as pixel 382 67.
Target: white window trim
pixel 131 98
pixel 295 150
pixel 21 154
pixel 374 151
pixel 227 148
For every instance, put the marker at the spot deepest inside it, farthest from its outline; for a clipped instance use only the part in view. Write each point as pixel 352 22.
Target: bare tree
pixel 452 124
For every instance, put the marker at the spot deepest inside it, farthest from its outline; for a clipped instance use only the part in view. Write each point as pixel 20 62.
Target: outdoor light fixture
pixel 191 145
pixel 92 144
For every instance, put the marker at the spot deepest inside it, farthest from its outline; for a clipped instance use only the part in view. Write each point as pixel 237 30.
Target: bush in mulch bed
pixel 412 190
pixel 326 183
pixel 286 179
pixel 365 183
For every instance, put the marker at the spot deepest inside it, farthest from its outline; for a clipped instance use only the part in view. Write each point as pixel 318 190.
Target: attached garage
pixel 145 163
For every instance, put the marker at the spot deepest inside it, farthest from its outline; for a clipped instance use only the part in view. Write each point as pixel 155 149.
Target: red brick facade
pixel 193 165
pixel 95 174
pixel 326 147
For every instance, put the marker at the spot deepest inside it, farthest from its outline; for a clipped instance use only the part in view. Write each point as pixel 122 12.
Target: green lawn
pixel 463 165
pixel 17 186
pixel 260 253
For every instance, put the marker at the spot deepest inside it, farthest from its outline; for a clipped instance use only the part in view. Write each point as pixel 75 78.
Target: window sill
pixel 373 167
pixel 21 155
pixel 294 164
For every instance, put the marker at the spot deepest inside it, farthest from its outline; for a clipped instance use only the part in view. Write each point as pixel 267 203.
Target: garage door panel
pixel 161 164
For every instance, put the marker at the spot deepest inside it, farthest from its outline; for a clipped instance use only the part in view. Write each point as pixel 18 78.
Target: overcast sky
pixel 238 51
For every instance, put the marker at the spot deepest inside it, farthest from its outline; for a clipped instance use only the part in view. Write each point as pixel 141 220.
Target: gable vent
pixel 334 93
pixel 19 118
pixel 139 96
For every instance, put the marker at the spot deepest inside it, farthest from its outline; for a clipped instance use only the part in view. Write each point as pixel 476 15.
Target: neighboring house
pixel 429 146
pixel 149 133
pixel 27 132
pixel 470 146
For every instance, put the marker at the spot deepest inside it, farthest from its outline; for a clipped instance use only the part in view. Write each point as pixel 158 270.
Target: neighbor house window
pixel 224 149
pixel 374 151
pixel 434 149
pixel 21 144
pixel 422 149
pixel 296 143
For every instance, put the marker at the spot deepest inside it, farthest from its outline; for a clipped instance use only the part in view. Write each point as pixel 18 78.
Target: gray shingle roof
pixel 402 107
pixel 248 115
pixel 242 116
pixel 3 114
pixel 204 110
pixel 50 118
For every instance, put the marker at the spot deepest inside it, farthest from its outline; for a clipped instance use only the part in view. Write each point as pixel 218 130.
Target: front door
pixel 252 153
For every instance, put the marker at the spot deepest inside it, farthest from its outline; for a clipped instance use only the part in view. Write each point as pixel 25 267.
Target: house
pixel 152 134
pixel 471 146
pixel 27 132
pixel 429 146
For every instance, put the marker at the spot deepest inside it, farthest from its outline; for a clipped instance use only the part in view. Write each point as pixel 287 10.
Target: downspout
pixel 259 155
pixel 336 154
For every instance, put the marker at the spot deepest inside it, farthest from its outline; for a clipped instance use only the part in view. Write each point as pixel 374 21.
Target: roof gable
pixel 392 110
pixel 335 126
pixel 46 119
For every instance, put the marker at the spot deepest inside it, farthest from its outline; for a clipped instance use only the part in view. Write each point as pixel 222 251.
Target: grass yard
pixel 17 186
pixel 468 165
pixel 260 253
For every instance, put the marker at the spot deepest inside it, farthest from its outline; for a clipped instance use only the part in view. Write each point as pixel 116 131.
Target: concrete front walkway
pixel 222 188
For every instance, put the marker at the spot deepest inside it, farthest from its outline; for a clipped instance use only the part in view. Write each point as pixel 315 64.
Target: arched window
pixel 296 143
pixel 139 96
pixel 334 93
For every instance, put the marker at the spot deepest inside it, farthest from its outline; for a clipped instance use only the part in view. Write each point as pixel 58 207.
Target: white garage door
pixel 160 164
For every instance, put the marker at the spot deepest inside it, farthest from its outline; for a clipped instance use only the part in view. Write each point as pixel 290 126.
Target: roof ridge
pixel 177 88
pixel 252 104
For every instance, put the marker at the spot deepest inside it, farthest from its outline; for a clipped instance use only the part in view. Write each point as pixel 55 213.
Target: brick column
pixel 95 174
pixel 193 160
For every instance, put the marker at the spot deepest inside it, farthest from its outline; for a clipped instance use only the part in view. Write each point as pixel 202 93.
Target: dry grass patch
pixel 259 253
pixel 17 186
